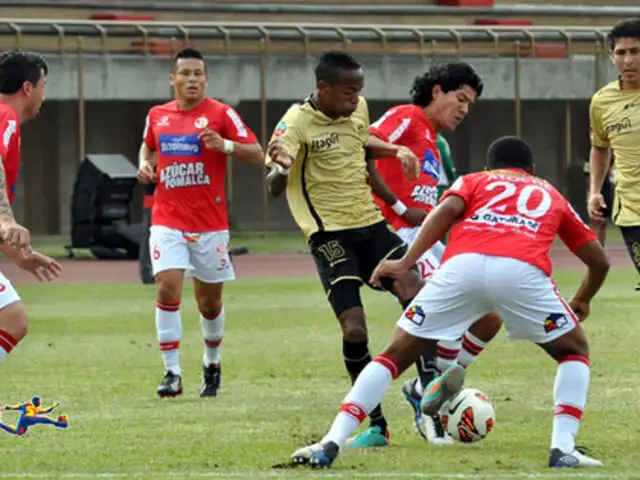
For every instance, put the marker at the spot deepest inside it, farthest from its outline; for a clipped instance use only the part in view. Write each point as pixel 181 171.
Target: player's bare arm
pixel 246 152
pixel 414 216
pixel 436 225
pixel 377 148
pixel 13 234
pixel 599 164
pixel 147 161
pixel 594 257
pixel 281 162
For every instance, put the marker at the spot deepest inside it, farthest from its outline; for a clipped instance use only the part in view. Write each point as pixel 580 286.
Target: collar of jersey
pixel 312 109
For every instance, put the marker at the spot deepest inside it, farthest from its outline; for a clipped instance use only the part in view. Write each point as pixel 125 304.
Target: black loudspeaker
pixel 101 208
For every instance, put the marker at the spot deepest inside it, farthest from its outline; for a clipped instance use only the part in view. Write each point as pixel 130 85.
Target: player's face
pixel 341 99
pixel 35 94
pixel 626 57
pixel 189 79
pixel 452 107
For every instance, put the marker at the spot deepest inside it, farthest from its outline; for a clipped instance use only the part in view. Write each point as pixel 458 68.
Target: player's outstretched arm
pixel 594 257
pixel 250 153
pixel 415 216
pixel 435 227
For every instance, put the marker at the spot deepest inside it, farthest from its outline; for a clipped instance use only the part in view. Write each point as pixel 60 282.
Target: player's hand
pixel 16 235
pixel 146 173
pixel 414 216
pixel 41 266
pixel 410 162
pixel 212 140
pixel 596 205
pixel 580 308
pixel 278 154
pixel 388 269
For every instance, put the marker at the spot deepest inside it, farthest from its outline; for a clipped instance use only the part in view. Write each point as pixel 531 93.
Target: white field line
pixel 324 474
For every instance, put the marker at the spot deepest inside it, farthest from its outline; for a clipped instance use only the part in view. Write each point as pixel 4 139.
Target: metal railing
pixel 83 38
pixel 500 10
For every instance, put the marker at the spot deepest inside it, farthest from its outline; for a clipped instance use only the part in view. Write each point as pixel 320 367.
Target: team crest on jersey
pixel 431 164
pixel 281 128
pixel 201 122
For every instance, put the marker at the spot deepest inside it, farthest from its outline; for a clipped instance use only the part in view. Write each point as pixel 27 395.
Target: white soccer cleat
pixel 433 432
pixel 575 459
pixel 303 455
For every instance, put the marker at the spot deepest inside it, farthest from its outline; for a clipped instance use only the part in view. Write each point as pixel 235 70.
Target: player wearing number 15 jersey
pixel 497 260
pixel 189 140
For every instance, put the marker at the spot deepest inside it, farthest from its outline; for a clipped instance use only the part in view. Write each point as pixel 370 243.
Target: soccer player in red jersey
pixel 497 260
pixel 22 84
pixel 405 204
pixel 192 137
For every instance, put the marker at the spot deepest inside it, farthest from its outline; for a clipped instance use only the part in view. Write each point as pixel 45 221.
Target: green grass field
pixel 93 348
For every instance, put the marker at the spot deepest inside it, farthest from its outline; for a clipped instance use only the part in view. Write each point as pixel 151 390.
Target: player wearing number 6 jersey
pixel 497 260
pixel 190 139
pixel 405 204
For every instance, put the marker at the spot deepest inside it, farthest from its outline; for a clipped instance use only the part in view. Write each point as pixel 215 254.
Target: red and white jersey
pixel 408 126
pixel 10 146
pixel 510 213
pixel 190 192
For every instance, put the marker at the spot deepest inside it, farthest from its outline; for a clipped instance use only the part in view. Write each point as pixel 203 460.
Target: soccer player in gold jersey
pixel 615 126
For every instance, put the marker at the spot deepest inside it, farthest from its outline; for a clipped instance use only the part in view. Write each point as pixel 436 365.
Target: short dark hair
pixel 188 52
pixel 627 28
pixel 332 64
pixel 449 77
pixel 509 152
pixel 17 67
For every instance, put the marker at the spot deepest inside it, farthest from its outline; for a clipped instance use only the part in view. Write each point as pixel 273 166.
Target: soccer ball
pixel 469 416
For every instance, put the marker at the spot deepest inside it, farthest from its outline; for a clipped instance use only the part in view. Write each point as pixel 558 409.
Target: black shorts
pixel 353 255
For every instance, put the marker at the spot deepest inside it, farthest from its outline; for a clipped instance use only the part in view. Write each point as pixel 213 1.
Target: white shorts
pixel 8 294
pixel 467 287
pixel 430 260
pixel 203 255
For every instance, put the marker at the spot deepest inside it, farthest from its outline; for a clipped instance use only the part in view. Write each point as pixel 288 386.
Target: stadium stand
pixel 402 12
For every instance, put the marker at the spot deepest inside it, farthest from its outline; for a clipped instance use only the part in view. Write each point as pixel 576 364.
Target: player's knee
pixel 168 287
pixel 574 343
pixel 354 325
pixel 14 320
pixel 209 307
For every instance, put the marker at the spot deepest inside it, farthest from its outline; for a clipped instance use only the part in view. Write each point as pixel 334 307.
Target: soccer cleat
pixel 637 287
pixel 317 455
pixel 429 427
pixel 371 437
pixel 441 389
pixel 211 378
pixel 576 459
pixel 170 386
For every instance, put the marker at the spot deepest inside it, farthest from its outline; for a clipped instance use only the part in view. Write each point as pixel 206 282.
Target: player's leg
pixel 212 267
pixel 476 339
pixel 337 264
pixel 631 236
pixel 429 427
pixel 444 309
pixel 169 258
pixel 533 309
pixel 13 318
